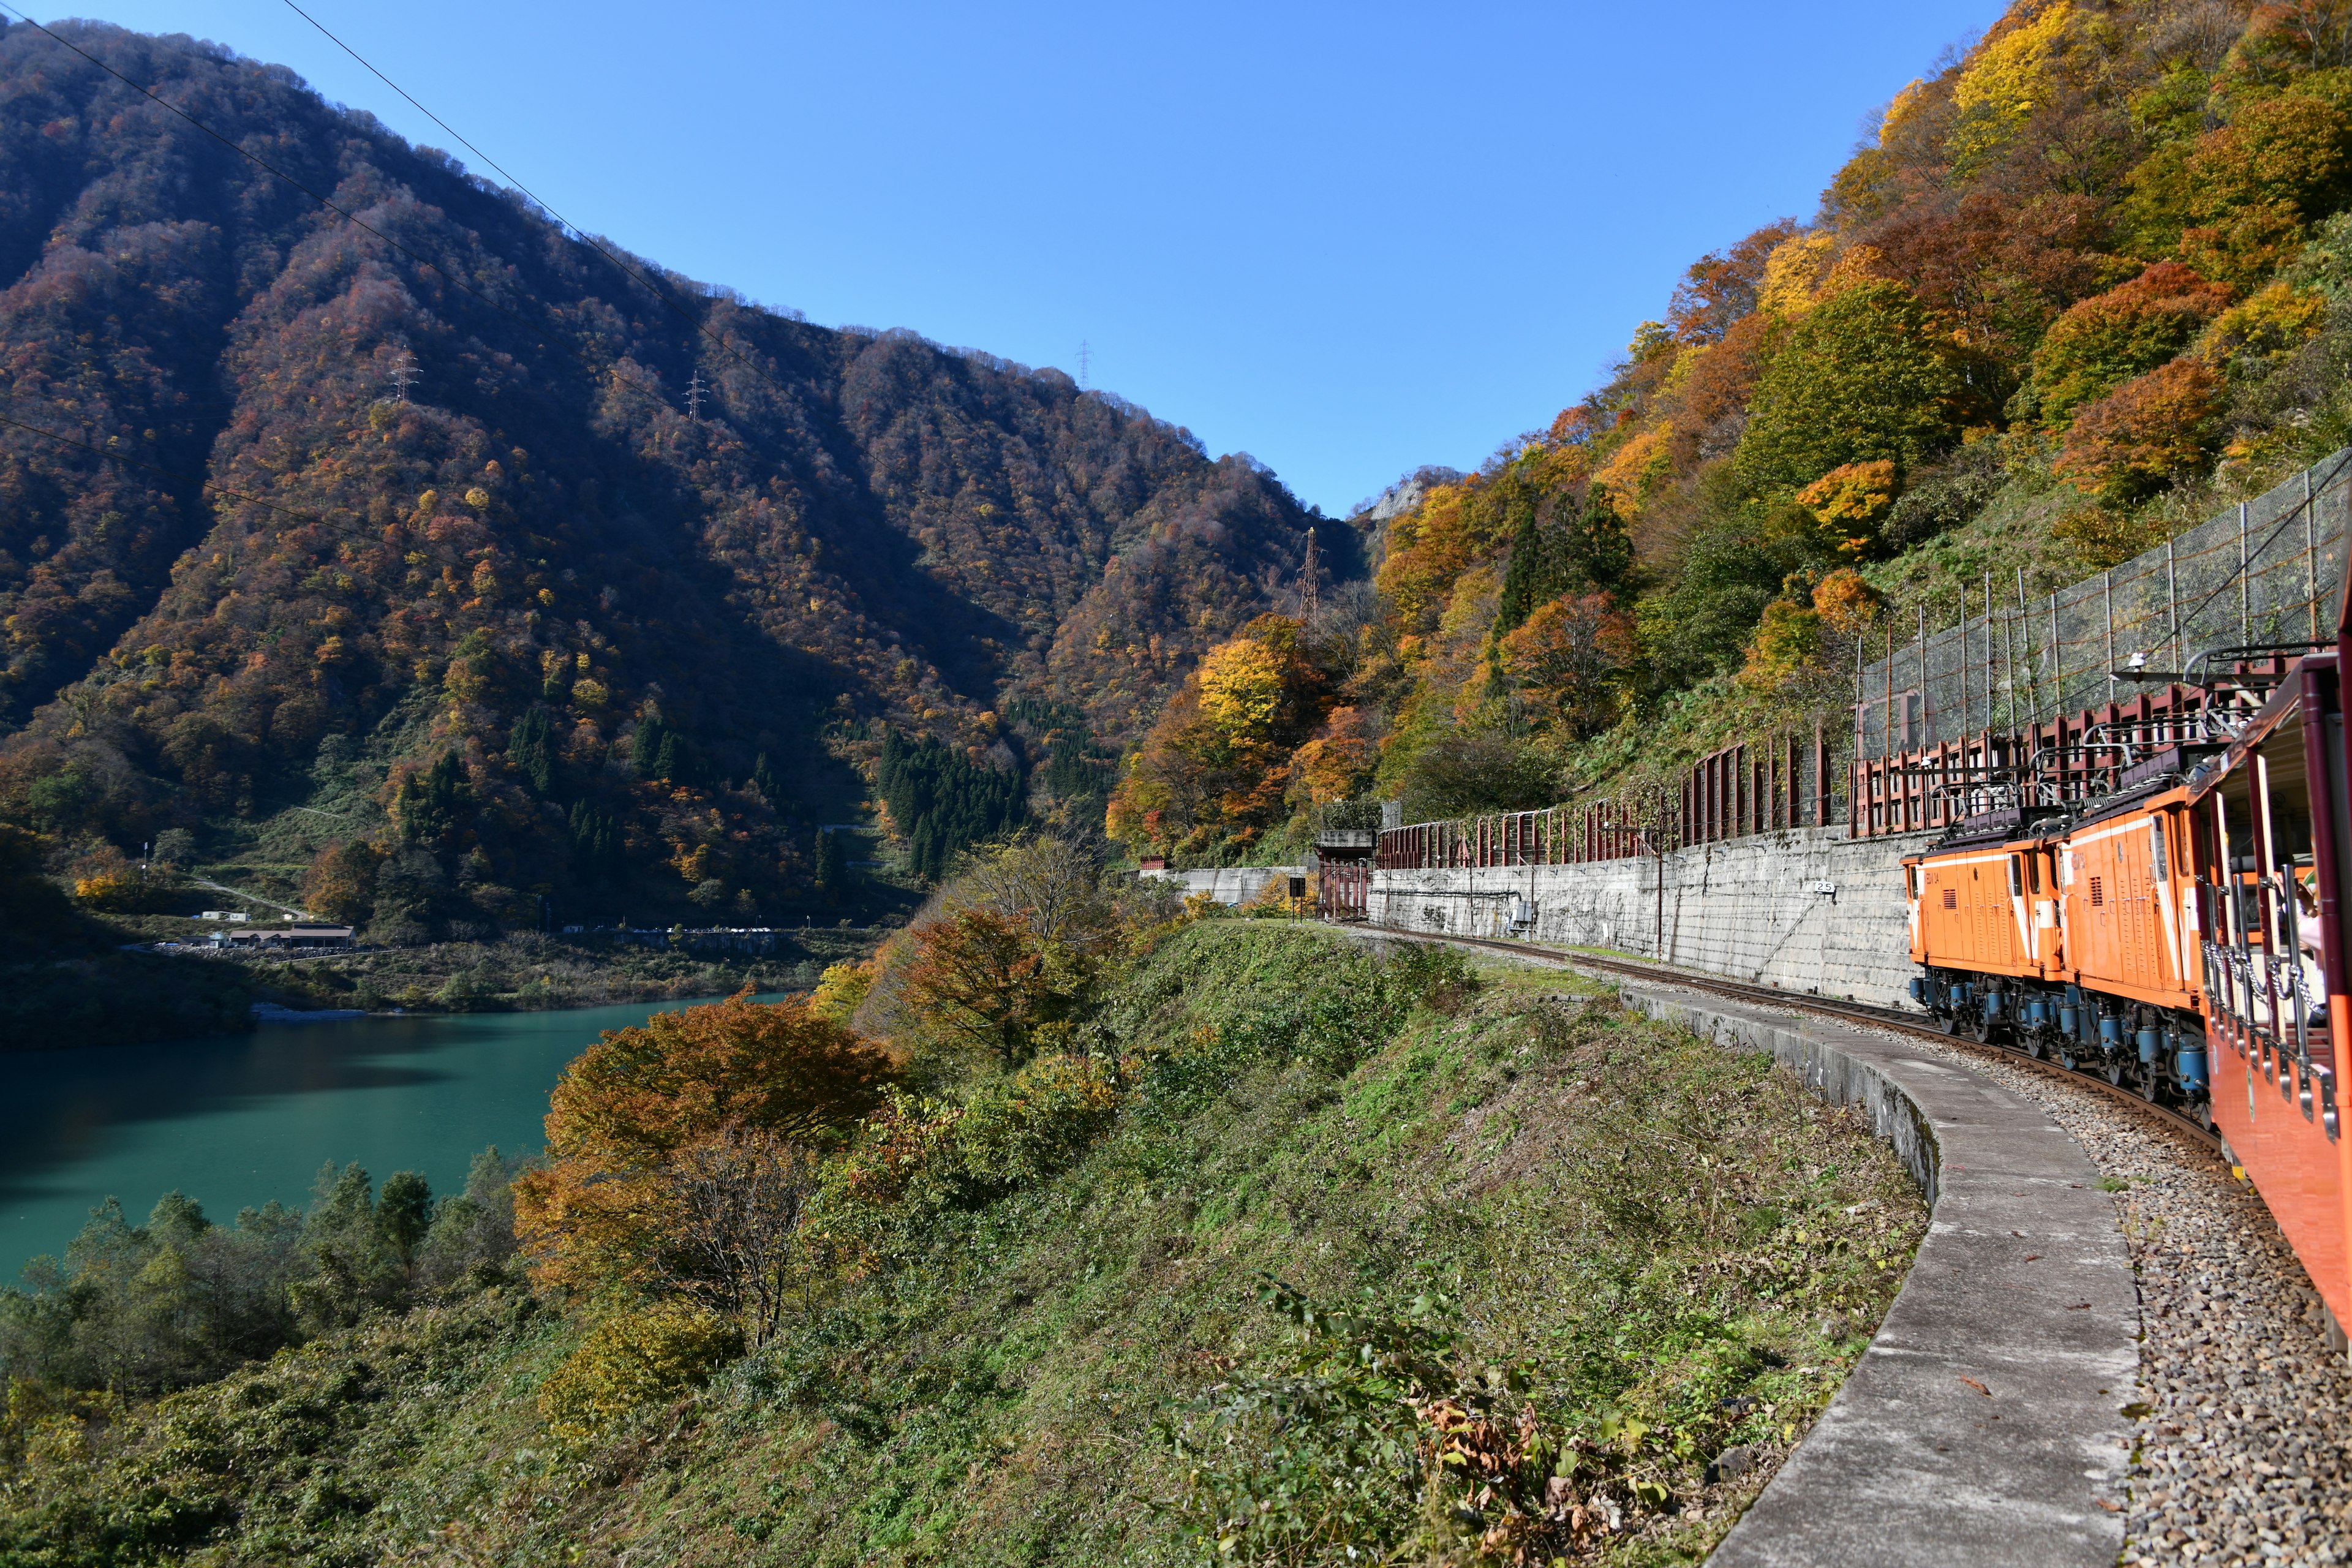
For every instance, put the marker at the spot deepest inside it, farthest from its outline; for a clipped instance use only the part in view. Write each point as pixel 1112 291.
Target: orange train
pixel 2182 936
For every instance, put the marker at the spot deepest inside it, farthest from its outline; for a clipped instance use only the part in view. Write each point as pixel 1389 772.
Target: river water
pixel 241 1120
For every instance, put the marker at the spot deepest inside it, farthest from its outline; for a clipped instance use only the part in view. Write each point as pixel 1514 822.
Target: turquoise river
pixel 241 1120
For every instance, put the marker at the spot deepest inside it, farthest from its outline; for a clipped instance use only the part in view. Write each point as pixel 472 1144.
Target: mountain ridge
pixel 495 505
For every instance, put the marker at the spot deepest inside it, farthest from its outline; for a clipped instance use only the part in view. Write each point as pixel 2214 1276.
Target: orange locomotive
pixel 2181 936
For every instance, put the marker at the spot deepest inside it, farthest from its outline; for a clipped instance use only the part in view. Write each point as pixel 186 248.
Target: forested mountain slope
pixel 433 506
pixel 2088 281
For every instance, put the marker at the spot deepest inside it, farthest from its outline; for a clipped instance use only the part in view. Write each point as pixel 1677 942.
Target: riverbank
pixel 120 998
pixel 527 973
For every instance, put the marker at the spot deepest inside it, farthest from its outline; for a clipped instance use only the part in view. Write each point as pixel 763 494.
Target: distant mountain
pixel 481 507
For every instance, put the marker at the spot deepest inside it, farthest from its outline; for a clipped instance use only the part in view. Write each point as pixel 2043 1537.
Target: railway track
pixel 1850 1012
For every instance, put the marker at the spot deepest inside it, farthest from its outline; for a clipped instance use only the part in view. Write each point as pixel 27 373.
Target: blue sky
pixel 1348 240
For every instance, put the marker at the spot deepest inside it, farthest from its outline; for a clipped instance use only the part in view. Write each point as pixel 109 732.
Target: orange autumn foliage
pixel 634 1102
pixel 2145 434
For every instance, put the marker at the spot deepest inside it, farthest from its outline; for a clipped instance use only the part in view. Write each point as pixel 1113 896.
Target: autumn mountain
pixel 437 505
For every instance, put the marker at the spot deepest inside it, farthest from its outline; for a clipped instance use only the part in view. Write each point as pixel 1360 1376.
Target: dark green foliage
pixel 430 800
pixel 1574 544
pixel 1730 569
pixel 653 752
pixel 106 998
pixel 595 841
pixel 403 1210
pixel 1860 377
pixel 832 863
pixel 530 746
pixel 1463 770
pixel 763 779
pixel 1071 775
pixel 941 802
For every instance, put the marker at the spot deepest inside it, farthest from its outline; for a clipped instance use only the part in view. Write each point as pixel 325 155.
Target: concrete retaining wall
pixel 1807 909
pixel 1227 884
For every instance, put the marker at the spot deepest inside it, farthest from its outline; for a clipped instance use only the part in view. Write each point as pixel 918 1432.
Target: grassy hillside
pixel 1367 1260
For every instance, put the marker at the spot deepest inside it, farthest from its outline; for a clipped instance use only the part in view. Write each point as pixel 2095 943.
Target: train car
pixel 2128 925
pixel 2183 936
pixel 2270 822
pixel 1984 927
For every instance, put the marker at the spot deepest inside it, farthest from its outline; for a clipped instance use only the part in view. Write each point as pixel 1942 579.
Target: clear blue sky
pixel 1348 239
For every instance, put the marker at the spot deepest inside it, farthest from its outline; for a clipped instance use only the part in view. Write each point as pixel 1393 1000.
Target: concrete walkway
pixel 1984 1424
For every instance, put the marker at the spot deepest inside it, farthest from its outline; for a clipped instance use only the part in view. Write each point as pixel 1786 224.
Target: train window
pixel 2098 893
pixel 2016 880
pixel 2156 866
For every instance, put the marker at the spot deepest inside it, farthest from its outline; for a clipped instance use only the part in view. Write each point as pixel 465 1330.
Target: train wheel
pixel 2116 1068
pixel 2146 1083
pixel 1948 1022
pixel 1983 1028
pixel 2034 1046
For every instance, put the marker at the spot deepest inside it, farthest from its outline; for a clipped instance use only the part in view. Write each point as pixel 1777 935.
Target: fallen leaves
pixel 1979 1387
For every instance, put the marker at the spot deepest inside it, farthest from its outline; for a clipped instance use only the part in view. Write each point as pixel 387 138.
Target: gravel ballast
pixel 2241 1457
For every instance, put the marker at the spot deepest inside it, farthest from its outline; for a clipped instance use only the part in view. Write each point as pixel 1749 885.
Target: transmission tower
pixel 404 372
pixel 1306 575
pixel 694 390
pixel 1086 363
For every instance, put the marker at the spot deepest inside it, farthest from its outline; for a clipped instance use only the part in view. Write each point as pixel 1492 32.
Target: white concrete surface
pixel 1227 884
pixel 1807 909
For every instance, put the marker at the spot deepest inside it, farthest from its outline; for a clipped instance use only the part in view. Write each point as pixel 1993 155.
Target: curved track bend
pixel 1850 1012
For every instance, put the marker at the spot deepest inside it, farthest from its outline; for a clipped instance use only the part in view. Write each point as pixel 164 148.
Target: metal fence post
pixel 2025 636
pixel 1926 705
pixel 2245 589
pixel 2172 603
pixel 2107 589
pixel 1988 610
pixel 2008 660
pixel 2057 659
pixel 2310 557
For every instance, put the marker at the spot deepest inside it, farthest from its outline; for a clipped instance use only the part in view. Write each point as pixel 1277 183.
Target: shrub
pixel 2109 338
pixel 631 1360
pixel 2146 434
pixel 593 1214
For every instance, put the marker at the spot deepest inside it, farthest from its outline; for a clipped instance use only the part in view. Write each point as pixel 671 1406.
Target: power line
pixel 343 212
pixel 654 286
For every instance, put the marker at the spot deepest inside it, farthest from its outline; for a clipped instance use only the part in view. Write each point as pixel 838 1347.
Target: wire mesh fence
pixel 2267 571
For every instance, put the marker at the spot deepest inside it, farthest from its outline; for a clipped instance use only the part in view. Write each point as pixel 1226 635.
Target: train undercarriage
pixel 2158 1053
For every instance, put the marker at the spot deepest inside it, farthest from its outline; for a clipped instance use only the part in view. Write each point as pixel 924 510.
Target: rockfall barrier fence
pixel 2065 685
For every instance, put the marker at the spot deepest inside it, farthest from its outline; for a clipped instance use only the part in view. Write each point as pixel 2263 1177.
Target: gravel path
pixel 2244 1455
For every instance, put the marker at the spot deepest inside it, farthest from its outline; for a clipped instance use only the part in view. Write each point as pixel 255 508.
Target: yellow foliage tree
pixel 1849 501
pixel 1242 688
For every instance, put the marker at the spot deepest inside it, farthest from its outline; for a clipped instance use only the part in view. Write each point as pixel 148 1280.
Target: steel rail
pixel 1852 1012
